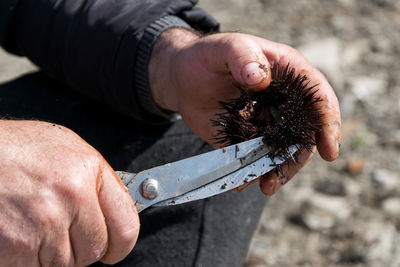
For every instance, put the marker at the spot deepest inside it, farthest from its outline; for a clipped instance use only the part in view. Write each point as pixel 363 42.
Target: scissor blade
pixel 177 178
pixel 231 181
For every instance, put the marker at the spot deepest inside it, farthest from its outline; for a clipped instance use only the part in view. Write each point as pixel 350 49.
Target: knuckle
pixel 73 189
pixel 90 244
pixel 129 232
pixel 99 241
pixel 75 185
pixel 14 250
pixel 242 47
pixel 290 51
pixel 236 42
pixel 61 259
pixel 47 214
pixel 289 48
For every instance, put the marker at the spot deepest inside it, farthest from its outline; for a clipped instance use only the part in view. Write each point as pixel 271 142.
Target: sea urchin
pixel 285 114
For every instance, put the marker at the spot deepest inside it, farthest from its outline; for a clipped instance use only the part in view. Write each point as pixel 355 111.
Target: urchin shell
pixel 285 114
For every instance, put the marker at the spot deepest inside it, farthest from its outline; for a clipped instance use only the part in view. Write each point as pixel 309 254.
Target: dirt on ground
pixel 344 213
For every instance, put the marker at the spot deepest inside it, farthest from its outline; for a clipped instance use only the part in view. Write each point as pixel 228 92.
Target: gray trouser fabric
pixel 211 232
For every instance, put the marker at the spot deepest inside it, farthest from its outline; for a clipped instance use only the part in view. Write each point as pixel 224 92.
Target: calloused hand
pixel 61 204
pixel 190 74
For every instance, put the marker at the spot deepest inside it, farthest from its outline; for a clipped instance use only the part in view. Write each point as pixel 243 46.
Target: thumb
pixel 255 76
pixel 246 61
pixel 120 214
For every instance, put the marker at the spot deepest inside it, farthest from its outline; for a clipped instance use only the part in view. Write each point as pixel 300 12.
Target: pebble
pixel 257 251
pixel 353 188
pixel 355 166
pixel 300 195
pixel 348 3
pixel 321 212
pixel 393 138
pixel 337 206
pixel 392 206
pixel 354 52
pixel 317 219
pixel 330 187
pixel 384 182
pixel 382 237
pixel 352 253
pixel 365 88
pixel 347 104
pixel 381 45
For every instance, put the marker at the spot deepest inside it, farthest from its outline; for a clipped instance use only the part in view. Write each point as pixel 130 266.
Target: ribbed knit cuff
pixel 146 43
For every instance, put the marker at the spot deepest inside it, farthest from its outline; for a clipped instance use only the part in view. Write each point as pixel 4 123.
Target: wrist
pixel 163 85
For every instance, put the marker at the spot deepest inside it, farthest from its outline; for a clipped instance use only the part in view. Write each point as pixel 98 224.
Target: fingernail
pixel 269 186
pixel 253 73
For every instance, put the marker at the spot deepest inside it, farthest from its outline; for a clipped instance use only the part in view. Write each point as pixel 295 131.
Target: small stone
pixel 317 219
pixel 300 195
pixel 383 237
pixel 384 182
pixel 353 52
pixel 347 104
pixel 365 87
pixel 393 138
pixel 321 212
pixel 258 248
pixel 346 230
pixel 353 253
pixel 337 206
pixel 353 188
pixel 348 3
pixel 392 206
pixel 381 45
pixel 333 188
pixel 355 166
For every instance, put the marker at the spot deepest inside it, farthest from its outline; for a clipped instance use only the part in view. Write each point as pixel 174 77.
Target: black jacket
pixel 99 47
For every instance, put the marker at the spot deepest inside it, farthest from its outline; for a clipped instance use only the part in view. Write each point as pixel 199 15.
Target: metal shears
pixel 201 176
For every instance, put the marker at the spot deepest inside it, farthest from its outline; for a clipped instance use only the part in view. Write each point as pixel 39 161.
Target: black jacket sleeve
pixel 99 47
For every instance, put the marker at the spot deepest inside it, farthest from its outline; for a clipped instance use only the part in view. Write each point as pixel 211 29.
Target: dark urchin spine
pixel 285 114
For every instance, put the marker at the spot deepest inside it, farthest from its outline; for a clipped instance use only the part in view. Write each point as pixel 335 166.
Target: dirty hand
pixel 190 74
pixel 61 204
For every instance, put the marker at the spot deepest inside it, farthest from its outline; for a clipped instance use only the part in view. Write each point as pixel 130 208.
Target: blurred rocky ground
pixel 345 213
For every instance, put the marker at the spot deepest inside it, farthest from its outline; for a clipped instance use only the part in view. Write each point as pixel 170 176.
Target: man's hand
pixel 191 74
pixel 61 204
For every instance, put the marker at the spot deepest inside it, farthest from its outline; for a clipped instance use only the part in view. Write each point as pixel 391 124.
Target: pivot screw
pixel 150 188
